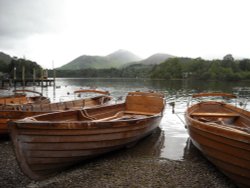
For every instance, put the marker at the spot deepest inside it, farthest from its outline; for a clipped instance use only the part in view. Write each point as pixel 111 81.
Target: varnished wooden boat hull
pixel 42 153
pixel 46 144
pixel 36 109
pixel 20 99
pixel 227 148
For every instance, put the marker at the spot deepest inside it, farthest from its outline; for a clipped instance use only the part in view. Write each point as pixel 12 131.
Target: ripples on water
pixel 171 140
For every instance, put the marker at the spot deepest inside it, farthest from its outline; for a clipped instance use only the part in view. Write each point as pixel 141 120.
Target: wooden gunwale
pixel 36 109
pixel 63 143
pixel 224 145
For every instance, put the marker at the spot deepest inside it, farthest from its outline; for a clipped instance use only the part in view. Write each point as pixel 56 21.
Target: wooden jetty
pixel 36 82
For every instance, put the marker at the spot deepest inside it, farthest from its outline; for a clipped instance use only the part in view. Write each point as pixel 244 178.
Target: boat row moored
pixel 50 137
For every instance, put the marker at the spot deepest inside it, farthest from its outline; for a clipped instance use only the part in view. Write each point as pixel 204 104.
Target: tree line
pixel 227 69
pixel 132 71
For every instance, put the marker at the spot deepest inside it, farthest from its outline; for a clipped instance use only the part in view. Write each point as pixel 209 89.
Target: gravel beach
pixel 130 167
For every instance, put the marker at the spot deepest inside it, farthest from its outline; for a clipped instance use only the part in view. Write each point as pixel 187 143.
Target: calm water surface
pixel 171 140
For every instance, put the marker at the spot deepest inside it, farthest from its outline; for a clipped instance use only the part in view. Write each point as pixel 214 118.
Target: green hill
pixel 113 60
pixel 156 59
pixel 5 58
pixel 152 60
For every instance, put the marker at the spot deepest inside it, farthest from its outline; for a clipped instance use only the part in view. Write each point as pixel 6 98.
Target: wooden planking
pixel 4 121
pixel 79 132
pixel 86 138
pixel 229 170
pixel 223 160
pixel 227 132
pixel 92 91
pixel 39 154
pixel 69 153
pixel 149 94
pixel 215 114
pixel 144 104
pixel 14 100
pixel 227 148
pixel 75 146
pixel 210 140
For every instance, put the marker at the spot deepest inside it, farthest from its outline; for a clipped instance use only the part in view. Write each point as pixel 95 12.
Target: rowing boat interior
pixel 136 106
pixel 58 106
pixel 218 113
pixel 15 99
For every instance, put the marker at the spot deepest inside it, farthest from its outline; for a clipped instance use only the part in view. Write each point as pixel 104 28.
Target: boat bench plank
pixel 141 113
pixel 215 114
pixel 118 115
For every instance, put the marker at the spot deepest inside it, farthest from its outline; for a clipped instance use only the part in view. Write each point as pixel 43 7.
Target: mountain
pixel 123 56
pixel 152 60
pixel 156 59
pixel 113 60
pixel 5 58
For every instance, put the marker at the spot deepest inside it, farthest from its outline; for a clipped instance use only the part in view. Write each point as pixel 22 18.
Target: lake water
pixel 171 140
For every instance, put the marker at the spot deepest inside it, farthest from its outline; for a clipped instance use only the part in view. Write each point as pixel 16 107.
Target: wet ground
pixel 130 167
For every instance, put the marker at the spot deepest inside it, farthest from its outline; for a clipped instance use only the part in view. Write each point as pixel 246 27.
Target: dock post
pixel 14 77
pixel 54 80
pixel 41 77
pixel 34 76
pixel 23 75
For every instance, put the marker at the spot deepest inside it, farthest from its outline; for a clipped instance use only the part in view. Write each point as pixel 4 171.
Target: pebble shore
pixel 123 168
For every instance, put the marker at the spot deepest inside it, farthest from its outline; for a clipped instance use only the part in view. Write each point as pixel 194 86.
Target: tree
pixel 228 57
pixel 18 65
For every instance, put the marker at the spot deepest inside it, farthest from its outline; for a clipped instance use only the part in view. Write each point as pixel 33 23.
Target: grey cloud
pixel 22 18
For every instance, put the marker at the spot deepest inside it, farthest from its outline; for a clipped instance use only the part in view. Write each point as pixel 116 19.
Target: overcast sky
pixel 61 30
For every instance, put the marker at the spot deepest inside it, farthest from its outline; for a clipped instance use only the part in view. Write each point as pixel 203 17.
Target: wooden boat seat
pixel 215 114
pixel 140 113
pixel 116 116
pixel 124 114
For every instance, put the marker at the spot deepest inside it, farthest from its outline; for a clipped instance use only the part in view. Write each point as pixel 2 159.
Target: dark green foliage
pixel 3 66
pixel 133 71
pixel 227 69
pixel 244 65
pixel 8 63
pixel 28 67
pixel 5 58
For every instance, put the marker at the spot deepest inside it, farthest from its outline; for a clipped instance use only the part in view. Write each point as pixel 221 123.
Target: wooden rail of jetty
pixel 26 82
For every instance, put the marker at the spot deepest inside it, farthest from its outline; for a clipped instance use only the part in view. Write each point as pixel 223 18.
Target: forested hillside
pixel 226 69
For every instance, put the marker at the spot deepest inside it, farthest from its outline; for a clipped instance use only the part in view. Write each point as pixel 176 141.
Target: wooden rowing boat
pixel 48 143
pixel 222 133
pixel 20 98
pixel 22 111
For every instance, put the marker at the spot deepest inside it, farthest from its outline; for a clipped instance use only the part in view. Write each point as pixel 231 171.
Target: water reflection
pixel 171 140
pixel 175 134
